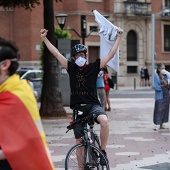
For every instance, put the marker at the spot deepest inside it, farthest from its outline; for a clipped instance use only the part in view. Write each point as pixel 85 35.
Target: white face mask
pixel 80 61
pixel 163 71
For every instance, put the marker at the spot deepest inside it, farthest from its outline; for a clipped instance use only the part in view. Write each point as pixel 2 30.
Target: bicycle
pixel 87 154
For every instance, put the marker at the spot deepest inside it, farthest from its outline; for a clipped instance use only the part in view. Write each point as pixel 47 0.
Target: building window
pixel 94 28
pixel 132 69
pixel 167 3
pixel 131 46
pixel 167 67
pixel 166 38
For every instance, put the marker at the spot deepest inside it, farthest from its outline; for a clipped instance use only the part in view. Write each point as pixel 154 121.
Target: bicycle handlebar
pixel 84 120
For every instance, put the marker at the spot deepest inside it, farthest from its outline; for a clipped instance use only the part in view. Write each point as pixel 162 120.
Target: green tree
pixel 51 102
pixel 27 4
pixel 59 33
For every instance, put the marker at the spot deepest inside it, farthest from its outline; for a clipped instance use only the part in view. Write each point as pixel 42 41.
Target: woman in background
pixel 107 89
pixel 162 98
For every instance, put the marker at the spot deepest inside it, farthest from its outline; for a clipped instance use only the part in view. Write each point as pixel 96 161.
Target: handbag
pixel 111 84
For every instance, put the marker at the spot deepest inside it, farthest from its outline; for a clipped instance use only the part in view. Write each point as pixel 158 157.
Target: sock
pixel 103 151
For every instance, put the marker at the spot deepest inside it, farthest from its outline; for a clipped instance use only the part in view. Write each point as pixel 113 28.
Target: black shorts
pixel 90 109
pixel 146 77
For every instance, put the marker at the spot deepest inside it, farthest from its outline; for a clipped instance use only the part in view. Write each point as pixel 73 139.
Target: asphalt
pixel 133 144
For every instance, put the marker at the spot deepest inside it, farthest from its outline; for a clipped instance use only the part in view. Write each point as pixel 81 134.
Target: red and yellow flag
pixel 22 137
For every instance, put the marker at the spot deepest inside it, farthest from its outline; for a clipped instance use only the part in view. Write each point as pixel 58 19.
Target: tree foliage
pixel 59 33
pixel 27 4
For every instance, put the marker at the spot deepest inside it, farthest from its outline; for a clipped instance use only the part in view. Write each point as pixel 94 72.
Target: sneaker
pixel 102 160
pixel 109 109
pixel 163 126
pixel 157 127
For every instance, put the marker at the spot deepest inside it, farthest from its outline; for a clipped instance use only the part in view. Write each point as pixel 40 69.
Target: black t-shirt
pixel 83 83
pixel 146 73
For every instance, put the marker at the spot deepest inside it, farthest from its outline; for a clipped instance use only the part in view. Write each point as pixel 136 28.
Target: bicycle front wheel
pixel 78 158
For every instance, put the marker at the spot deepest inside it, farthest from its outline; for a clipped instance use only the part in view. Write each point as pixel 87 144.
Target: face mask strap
pixel 13 59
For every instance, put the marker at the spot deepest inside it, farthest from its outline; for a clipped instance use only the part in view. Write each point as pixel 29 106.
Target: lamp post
pixel 61 20
pixel 165 12
pixel 153 48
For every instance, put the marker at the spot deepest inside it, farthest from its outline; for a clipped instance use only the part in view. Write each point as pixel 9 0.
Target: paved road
pixel 132 145
pixel 130 92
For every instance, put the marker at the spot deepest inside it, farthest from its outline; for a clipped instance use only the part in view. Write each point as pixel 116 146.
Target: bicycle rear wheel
pixel 77 158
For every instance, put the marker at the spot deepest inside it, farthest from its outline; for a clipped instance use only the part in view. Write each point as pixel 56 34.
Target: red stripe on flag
pixel 19 136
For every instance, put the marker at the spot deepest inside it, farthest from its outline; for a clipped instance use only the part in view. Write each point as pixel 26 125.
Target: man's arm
pixel 2 156
pixel 113 50
pixel 63 61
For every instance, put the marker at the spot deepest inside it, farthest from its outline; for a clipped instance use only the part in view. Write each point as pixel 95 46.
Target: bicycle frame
pixel 87 140
pixel 88 155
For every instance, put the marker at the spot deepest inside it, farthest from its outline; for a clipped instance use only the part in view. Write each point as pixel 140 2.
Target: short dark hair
pixel 8 50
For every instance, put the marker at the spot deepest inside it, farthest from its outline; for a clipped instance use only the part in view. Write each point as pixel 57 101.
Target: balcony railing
pixel 137 8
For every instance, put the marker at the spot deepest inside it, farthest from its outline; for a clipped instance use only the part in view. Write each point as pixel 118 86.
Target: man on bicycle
pixel 83 79
pixel 22 139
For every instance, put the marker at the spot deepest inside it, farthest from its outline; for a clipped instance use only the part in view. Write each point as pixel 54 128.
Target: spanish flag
pixel 22 137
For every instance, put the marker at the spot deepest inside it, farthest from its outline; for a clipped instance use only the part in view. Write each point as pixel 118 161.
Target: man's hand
pixel 119 32
pixel 43 33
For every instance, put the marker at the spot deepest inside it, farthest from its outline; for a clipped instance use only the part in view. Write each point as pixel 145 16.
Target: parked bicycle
pixel 87 154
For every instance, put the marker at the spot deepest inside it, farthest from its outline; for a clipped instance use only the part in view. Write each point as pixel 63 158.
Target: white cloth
pixel 108 33
pixel 167 73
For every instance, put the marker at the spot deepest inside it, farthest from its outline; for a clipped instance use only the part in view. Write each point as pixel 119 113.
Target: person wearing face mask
pixel 22 139
pixel 83 79
pixel 162 98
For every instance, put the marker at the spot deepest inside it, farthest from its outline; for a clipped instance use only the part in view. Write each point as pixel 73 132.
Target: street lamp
pixel 165 12
pixel 61 20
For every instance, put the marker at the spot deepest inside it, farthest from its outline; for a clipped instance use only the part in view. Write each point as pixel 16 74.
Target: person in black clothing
pixel 83 79
pixel 147 79
pixel 142 77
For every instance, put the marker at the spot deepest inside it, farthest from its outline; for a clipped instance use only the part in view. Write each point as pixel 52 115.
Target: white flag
pixel 108 33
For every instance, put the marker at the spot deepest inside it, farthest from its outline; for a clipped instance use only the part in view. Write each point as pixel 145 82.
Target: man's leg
pixel 104 133
pixel 104 130
pixel 80 155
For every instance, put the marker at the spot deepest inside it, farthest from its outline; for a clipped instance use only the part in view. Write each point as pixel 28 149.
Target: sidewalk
pixel 132 145
pixel 134 88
